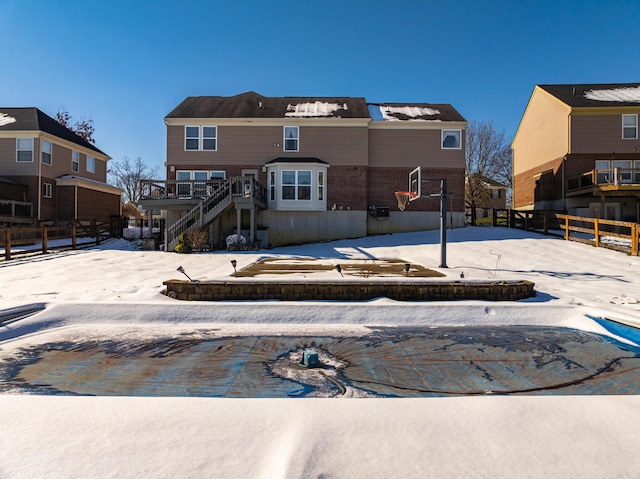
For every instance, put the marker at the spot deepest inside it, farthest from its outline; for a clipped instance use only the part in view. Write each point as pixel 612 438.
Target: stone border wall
pixel 349 290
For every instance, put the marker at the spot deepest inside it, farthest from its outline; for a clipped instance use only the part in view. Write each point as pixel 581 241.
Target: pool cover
pixel 387 362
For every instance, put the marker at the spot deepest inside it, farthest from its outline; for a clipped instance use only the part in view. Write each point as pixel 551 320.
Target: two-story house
pixel 320 168
pixel 577 150
pixel 483 194
pixel 49 173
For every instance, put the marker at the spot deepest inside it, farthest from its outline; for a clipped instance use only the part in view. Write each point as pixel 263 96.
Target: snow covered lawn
pixel 114 285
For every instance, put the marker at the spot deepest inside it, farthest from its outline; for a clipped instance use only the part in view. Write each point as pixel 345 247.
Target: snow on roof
pixel 630 94
pixel 386 113
pixel 311 109
pixel 6 119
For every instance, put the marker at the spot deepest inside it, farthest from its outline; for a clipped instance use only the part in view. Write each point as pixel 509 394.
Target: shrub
pixel 197 239
pixel 182 246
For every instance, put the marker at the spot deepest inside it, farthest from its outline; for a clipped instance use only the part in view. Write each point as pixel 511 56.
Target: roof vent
pixel 260 104
pixel 345 106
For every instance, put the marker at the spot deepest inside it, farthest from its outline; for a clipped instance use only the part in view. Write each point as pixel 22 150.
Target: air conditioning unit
pixel 379 211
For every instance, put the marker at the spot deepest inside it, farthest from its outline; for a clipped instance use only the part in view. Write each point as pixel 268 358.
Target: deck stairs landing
pixel 228 192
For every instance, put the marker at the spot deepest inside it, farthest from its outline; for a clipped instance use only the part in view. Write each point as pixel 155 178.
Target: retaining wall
pixel 349 290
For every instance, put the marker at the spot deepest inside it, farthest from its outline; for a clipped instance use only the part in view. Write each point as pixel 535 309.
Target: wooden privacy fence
pixel 616 235
pixel 39 238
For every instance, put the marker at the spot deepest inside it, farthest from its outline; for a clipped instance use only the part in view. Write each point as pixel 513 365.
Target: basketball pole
pixel 443 223
pixel 443 219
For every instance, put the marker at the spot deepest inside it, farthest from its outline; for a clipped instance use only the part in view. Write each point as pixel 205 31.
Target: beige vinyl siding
pixel 595 133
pixel 251 145
pixel 61 165
pixel 412 147
pixel 8 164
pixel 543 134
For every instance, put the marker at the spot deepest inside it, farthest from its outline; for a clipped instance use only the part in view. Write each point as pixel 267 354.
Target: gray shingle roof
pixel 574 95
pixel 31 118
pixel 254 105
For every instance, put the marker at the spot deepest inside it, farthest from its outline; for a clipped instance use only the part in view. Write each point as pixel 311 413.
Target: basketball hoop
pixel 403 198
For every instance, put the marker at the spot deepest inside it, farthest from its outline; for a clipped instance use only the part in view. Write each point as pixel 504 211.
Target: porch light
pixel 181 269
pixel 234 264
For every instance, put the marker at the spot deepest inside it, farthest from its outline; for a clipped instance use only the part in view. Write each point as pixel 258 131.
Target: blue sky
pixel 127 64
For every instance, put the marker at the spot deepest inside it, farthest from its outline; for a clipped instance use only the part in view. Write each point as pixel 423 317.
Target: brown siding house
pixel 577 150
pixel 330 166
pixel 62 176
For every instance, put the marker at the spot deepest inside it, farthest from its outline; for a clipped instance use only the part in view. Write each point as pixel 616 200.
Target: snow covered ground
pixel 114 286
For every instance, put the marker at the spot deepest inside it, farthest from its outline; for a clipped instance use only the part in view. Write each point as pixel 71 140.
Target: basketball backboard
pixel 415 181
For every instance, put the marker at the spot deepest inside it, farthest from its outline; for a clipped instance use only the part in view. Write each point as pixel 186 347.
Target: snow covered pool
pixel 385 362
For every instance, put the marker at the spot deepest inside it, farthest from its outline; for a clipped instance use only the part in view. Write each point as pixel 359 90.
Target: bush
pixel 197 239
pixel 193 240
pixel 182 246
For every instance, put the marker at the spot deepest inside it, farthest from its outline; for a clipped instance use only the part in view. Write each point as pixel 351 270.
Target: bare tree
pixel 83 128
pixel 128 174
pixel 488 156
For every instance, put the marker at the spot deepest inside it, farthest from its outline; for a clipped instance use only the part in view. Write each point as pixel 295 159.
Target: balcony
pixel 164 194
pixel 605 181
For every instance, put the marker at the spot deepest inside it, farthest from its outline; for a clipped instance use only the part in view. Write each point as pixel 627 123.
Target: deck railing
pixel 611 177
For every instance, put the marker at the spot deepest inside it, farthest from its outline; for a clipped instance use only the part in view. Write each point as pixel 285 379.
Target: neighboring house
pixel 302 170
pixel 59 175
pixel 577 150
pixel 483 195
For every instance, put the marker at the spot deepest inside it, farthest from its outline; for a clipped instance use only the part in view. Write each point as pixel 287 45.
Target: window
pixel 291 138
pixel 45 154
pixel 636 171
pixel 91 164
pixel 272 186
pixel 191 137
pixel 75 161
pixel 495 193
pixel 24 149
pixel 184 183
pixel 201 138
pixel 218 175
pixel 200 188
pixel 46 190
pixel 603 171
pixel 209 136
pixel 296 185
pixel 451 139
pixel 630 127
pixel 623 170
pixel 320 185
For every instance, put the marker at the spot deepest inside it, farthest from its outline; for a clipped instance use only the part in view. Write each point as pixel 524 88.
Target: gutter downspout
pixel 75 200
pixel 39 176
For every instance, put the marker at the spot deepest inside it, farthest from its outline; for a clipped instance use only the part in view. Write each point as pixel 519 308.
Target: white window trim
pixel 93 166
pixel 75 161
pixel 215 138
pixel 200 138
pixel 47 190
pixel 635 127
pixel 274 172
pixel 284 138
pixel 43 153
pixel 442 136
pixel 18 150
pixel 296 184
